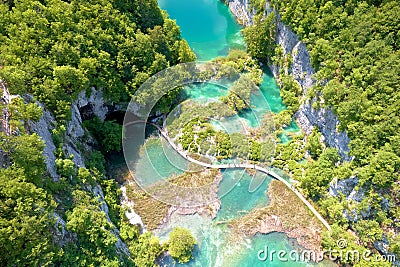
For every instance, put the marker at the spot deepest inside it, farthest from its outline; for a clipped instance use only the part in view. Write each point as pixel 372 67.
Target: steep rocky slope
pixel 74 145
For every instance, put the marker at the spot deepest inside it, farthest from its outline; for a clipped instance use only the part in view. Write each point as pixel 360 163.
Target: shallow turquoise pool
pixel 207 25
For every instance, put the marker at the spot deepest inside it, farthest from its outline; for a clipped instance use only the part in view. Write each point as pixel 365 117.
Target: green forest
pixel 52 50
pixel 354 49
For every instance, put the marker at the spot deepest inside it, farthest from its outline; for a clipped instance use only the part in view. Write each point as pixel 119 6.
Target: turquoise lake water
pixel 207 25
pixel 158 162
pixel 211 31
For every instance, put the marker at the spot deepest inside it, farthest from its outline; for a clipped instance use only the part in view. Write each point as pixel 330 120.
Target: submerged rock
pixel 294 220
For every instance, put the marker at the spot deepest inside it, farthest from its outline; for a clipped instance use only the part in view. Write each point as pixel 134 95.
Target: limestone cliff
pixel 242 11
pixel 76 141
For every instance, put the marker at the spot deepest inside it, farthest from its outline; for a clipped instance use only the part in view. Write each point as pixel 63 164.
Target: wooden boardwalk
pixel 185 155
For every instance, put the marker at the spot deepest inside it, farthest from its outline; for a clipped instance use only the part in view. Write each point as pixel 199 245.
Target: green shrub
pixel 181 244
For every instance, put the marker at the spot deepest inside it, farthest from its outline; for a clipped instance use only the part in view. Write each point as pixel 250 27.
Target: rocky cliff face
pixel 86 105
pixel 43 128
pixel 74 144
pixel 307 116
pixel 242 11
pixel 302 71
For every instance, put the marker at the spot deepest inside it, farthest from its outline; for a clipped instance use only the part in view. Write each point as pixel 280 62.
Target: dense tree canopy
pixel 55 49
pixel 25 221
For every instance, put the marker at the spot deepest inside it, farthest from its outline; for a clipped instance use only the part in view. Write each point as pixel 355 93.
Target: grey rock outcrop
pixel 4 115
pixel 348 188
pixel 61 235
pixel 74 134
pixel 344 186
pixel 120 245
pixel 241 10
pixel 327 122
pixel 43 128
pixel 301 70
pixel 74 144
pixel 94 102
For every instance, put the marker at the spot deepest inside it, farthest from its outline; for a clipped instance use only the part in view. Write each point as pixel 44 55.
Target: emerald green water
pixel 262 101
pixel 280 242
pixel 207 25
pixel 240 200
pixel 217 245
pixel 211 31
pixel 265 100
pixel 205 92
pixel 158 161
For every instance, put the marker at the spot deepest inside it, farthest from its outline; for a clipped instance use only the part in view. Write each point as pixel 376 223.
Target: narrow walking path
pixel 185 155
